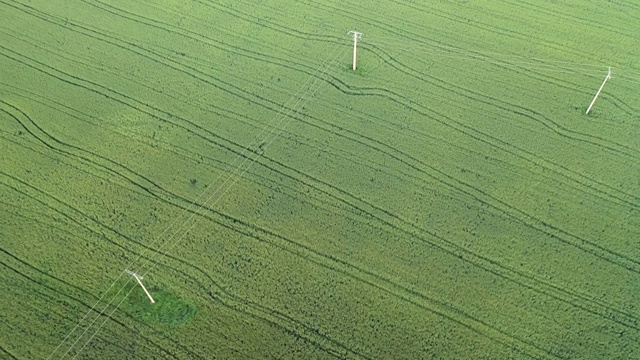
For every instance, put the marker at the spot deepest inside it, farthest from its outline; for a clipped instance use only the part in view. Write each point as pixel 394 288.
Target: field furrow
pixel 448 199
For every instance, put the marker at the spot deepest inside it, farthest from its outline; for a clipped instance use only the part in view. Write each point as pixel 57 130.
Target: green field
pixel 449 199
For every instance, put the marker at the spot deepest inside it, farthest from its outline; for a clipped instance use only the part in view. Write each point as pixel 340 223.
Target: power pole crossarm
pixel 599 90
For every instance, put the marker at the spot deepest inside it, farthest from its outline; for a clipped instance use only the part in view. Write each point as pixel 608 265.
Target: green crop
pixel 448 199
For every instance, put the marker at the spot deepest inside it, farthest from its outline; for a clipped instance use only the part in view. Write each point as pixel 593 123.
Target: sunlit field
pixel 448 199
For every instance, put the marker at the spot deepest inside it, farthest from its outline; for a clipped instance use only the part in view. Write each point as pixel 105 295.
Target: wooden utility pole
pixel 139 278
pixel 356 36
pixel 599 90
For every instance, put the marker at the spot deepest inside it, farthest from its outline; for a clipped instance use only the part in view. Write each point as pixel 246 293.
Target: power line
pixel 528 62
pixel 193 224
pixel 196 212
pixel 186 221
pixel 323 68
pixel 485 58
pixel 449 48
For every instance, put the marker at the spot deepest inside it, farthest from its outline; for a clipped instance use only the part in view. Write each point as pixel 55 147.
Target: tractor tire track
pixel 582 181
pixel 561 16
pixel 290 137
pixel 592 187
pixel 599 188
pixel 252 176
pixel 627 108
pixel 117 172
pixel 528 113
pixel 516 67
pixel 67 285
pixel 8 353
pixel 122 235
pixel 229 298
pixel 498 30
pixel 533 115
pixel 66 294
pixel 61 295
pixel 119 234
pixel 132 181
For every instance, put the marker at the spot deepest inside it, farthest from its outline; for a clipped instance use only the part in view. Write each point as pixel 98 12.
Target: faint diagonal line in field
pixel 332 57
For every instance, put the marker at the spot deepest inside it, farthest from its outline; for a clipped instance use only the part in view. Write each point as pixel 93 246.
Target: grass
pixel 449 199
pixel 169 308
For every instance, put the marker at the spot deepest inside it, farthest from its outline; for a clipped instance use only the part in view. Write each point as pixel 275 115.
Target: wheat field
pixel 448 199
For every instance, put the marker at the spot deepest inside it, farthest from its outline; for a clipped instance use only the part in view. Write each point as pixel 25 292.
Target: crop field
pixel 448 199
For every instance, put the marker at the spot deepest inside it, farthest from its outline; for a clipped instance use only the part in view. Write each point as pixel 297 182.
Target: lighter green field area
pixel 449 199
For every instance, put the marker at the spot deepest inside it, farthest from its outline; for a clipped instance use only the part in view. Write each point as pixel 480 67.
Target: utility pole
pixel 599 90
pixel 139 278
pixel 356 36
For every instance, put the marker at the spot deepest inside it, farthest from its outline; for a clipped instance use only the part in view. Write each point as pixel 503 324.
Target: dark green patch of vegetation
pixel 169 307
